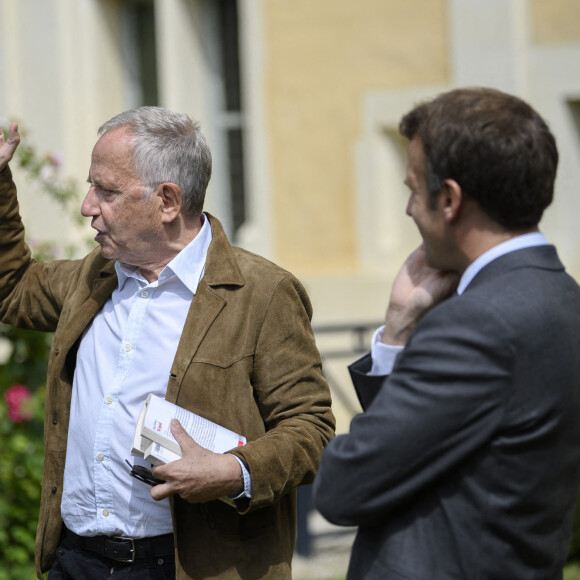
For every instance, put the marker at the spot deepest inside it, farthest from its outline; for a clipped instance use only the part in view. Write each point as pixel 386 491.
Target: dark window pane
pixel 142 55
pixel 230 53
pixel 237 189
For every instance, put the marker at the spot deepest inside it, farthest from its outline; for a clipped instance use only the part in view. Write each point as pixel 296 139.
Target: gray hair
pixel 167 146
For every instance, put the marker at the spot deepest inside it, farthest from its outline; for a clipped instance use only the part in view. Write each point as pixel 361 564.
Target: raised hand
pixel 7 148
pixel 199 475
pixel 417 288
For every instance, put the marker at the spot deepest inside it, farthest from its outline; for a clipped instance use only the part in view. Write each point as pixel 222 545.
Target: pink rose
pixel 55 158
pixel 16 397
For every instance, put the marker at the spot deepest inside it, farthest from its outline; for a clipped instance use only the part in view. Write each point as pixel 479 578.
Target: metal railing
pixel 357 341
pixel 346 341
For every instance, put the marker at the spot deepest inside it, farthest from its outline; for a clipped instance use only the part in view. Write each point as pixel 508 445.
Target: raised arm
pixel 7 148
pixel 31 294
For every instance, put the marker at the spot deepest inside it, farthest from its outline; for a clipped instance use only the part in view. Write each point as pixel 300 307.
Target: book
pixel 155 454
pixel 153 439
pixel 154 442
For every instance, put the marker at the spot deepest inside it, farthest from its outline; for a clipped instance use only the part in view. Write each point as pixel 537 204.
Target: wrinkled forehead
pixel 111 158
pixel 114 148
pixel 117 141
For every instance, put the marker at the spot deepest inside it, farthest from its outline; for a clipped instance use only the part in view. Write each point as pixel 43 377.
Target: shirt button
pixel 105 513
pixel 101 457
pixel 127 347
pixel 144 293
pixel 109 400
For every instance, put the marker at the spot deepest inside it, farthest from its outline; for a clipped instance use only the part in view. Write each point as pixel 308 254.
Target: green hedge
pixel 21 449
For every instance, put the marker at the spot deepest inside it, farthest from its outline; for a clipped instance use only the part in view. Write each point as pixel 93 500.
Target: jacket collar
pixel 221 267
pixel 541 257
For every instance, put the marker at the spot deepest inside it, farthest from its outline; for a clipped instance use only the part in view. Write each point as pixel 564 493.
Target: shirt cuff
pixel 383 355
pixel 247 481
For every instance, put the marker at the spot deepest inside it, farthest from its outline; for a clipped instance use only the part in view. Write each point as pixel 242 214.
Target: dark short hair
pixel 494 145
pixel 167 146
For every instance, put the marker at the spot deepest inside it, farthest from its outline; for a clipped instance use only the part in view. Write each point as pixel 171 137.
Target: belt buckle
pixel 133 551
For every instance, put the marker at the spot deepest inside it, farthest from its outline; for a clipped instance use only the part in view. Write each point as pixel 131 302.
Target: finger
pixel 158 472
pixel 161 491
pixel 177 427
pixel 7 148
pixel 181 435
pixel 13 135
pixel 165 471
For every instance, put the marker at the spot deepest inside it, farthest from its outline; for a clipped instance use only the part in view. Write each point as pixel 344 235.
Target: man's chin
pixel 107 252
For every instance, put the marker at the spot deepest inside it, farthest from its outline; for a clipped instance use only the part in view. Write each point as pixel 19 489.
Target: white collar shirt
pixel 125 354
pixel 511 245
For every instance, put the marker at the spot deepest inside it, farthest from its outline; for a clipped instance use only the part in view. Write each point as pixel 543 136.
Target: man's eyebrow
pixel 94 182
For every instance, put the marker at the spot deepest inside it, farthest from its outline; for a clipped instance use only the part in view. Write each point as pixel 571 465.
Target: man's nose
pixel 89 207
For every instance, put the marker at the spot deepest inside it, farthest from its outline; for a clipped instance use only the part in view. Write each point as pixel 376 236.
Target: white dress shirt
pixel 125 354
pixel 384 355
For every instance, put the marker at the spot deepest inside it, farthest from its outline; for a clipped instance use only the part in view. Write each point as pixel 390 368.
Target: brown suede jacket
pixel 247 359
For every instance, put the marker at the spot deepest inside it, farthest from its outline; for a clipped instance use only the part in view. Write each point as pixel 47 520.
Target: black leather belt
pixel 125 550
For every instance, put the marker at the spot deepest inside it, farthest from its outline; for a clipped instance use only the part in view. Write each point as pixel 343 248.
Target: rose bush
pixel 19 401
pixel 21 449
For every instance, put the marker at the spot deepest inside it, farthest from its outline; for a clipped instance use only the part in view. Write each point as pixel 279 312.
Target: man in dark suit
pixel 466 461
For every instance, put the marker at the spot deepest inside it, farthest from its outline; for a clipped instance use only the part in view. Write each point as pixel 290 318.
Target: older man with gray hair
pixel 166 306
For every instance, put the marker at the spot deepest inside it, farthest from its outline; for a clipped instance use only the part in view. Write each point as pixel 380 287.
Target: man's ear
pixel 450 199
pixel 171 200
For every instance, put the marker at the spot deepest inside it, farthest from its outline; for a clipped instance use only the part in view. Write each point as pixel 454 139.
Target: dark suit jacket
pixel 246 360
pixel 467 463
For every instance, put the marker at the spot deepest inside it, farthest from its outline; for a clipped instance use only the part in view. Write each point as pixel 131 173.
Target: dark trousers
pixel 75 564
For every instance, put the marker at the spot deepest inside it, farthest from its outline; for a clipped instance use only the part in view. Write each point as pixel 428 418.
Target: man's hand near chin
pixel 416 289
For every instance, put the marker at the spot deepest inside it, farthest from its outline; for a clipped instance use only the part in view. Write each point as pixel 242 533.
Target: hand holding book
pixel 200 475
pixel 189 452
pixel 155 442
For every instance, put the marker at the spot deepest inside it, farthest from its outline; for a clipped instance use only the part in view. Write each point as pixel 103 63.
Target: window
pixel 140 52
pixel 231 118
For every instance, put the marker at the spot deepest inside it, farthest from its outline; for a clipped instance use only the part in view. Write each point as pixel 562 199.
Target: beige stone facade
pixel 323 59
pixel 323 85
